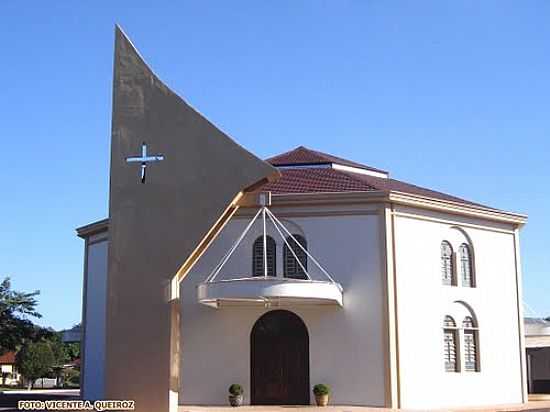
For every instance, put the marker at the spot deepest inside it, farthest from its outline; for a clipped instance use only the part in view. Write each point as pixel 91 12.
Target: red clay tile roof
pixel 326 179
pixel 7 358
pixel 313 180
pixel 304 156
pixel 399 186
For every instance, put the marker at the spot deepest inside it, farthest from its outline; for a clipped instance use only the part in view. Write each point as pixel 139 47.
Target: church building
pixel 423 301
pixel 328 271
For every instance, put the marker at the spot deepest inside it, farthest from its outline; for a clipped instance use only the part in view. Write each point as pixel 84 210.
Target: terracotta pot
pixel 321 400
pixel 235 400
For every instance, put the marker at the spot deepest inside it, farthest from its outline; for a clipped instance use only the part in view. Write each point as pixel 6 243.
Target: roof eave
pixel 370 196
pixel 93 228
pixel 459 208
pixel 396 197
pixel 291 199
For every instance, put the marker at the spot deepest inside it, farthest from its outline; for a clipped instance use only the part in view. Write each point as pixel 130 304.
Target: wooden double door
pixel 279 361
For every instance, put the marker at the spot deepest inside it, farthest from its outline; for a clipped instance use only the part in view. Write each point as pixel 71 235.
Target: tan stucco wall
pixel 155 227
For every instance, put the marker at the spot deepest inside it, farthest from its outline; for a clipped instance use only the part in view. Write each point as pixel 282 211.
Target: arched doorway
pixel 279 360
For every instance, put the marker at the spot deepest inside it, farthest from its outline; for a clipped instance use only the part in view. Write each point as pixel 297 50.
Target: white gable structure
pixel 424 310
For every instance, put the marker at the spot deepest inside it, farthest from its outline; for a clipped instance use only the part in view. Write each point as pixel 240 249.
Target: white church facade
pixel 391 294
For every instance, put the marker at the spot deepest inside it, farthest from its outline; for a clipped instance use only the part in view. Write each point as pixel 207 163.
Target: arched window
pixel 466 268
pixel 470 344
pixel 258 256
pixel 450 335
pixel 447 270
pixel 292 268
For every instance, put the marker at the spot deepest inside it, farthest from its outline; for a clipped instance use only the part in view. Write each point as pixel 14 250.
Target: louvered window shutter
pixel 258 256
pixel 449 344
pixel 466 266
pixel 449 350
pixel 470 354
pixel 470 344
pixel 446 263
pixel 292 268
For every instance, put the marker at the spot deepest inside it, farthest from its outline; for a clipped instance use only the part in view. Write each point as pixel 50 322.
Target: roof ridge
pixel 357 178
pixel 302 155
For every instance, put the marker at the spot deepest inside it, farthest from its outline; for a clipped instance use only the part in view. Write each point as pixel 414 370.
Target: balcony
pixel 268 290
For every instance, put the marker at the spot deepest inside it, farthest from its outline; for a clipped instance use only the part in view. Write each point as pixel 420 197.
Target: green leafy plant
pixel 15 309
pixel 321 389
pixel 34 361
pixel 73 350
pixel 236 389
pixel 72 379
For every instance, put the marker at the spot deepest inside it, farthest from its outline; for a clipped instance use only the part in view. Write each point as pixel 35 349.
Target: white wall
pixel 6 368
pixel 14 376
pixel 423 302
pixel 346 344
pixel 95 306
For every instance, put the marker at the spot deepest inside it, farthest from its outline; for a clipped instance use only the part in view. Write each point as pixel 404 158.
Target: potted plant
pixel 321 392
pixel 235 395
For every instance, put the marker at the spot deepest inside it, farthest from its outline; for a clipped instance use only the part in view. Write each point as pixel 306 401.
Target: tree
pixel 15 308
pixel 34 361
pixel 72 379
pixel 59 349
pixel 60 355
pixel 73 348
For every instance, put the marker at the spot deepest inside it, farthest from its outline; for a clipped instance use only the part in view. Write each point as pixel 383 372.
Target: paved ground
pixel 531 407
pixel 8 403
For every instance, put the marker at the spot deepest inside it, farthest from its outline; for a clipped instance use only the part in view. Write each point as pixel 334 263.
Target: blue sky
pixel 454 96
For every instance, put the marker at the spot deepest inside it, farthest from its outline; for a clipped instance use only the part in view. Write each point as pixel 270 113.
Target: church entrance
pixel 279 360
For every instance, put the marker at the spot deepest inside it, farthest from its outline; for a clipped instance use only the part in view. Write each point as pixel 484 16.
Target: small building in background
pixel 9 375
pixel 537 346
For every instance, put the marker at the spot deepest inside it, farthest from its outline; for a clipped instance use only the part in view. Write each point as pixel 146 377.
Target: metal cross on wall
pixel 144 159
